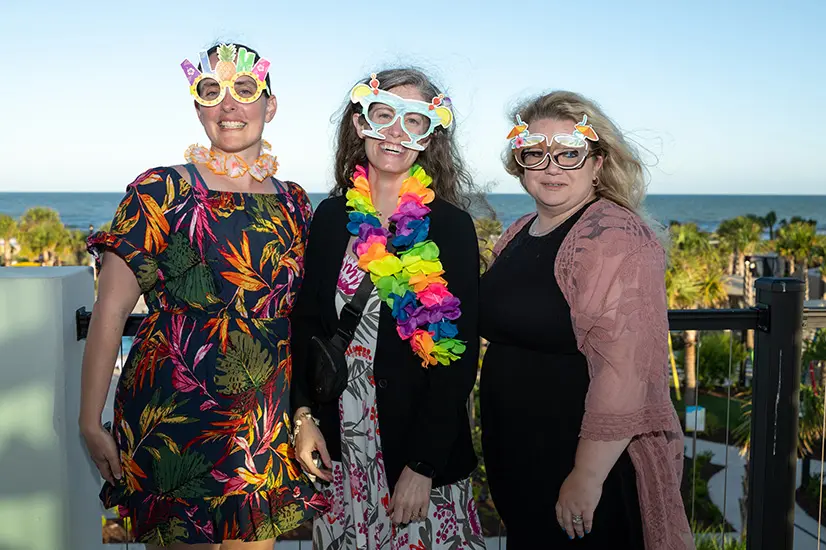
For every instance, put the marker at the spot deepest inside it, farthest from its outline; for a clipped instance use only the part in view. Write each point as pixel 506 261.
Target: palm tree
pixel 797 242
pixel 740 235
pixel 814 350
pixel 769 220
pixel 809 425
pixel 681 292
pixel 819 257
pixel 695 280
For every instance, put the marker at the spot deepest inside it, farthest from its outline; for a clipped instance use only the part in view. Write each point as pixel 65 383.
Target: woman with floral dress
pixel 199 453
pixel 395 447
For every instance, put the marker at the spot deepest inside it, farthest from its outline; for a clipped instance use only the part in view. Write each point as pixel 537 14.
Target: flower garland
pixel 233 165
pixel 411 282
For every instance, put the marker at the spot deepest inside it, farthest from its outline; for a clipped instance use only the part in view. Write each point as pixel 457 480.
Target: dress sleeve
pixel 620 319
pixel 437 422
pixel 305 208
pixel 141 226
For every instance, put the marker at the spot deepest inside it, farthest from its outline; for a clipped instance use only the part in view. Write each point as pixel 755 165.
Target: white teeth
pixel 231 124
pixel 389 149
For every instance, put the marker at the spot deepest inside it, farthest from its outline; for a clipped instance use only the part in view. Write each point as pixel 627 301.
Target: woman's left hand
pixel 578 498
pixel 411 497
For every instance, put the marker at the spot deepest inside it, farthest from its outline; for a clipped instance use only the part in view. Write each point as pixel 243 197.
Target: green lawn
pixel 715 405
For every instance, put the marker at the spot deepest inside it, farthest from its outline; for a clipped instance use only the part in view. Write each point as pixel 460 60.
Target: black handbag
pixel 328 370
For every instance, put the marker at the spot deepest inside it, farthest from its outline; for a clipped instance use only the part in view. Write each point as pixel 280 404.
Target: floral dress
pixel 201 408
pixel 359 495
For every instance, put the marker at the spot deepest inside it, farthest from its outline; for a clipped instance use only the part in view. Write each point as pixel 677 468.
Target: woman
pixel 413 357
pixel 200 457
pixel 574 383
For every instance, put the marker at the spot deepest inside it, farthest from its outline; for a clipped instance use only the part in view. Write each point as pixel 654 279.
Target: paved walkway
pixel 726 489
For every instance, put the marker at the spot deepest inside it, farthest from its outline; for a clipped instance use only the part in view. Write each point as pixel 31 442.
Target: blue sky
pixel 727 97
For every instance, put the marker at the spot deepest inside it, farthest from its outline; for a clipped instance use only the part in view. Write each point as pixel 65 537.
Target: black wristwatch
pixel 421 468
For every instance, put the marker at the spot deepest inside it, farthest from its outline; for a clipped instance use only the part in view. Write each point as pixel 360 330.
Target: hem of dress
pixel 208 526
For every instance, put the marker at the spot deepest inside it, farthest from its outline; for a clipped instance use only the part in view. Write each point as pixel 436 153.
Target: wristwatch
pixel 421 468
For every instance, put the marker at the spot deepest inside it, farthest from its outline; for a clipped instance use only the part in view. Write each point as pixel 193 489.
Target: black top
pixel 533 388
pixel 422 413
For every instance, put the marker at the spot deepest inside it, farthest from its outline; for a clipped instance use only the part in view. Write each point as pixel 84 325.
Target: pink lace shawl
pixel 611 270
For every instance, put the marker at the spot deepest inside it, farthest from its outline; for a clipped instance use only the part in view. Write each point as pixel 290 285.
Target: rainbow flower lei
pixel 409 281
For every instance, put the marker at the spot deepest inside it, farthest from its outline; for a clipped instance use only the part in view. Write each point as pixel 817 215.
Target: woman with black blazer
pixel 393 451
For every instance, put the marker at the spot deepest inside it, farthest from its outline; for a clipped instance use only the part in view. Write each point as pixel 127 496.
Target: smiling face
pixel 234 127
pixel 554 187
pixel 389 155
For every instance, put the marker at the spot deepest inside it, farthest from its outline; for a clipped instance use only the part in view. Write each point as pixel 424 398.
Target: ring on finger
pixel 577 519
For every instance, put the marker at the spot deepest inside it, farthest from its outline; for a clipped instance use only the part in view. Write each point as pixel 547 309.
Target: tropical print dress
pixel 201 408
pixel 358 494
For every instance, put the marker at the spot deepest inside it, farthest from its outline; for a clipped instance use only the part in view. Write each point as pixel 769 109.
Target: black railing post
pixel 774 415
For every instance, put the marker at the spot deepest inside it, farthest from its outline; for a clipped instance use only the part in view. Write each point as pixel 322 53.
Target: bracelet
pixel 299 420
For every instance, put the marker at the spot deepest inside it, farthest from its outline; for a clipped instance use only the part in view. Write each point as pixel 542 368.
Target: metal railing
pixel 778 320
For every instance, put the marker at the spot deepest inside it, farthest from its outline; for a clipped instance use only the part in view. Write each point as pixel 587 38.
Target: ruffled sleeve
pixel 304 216
pixel 141 226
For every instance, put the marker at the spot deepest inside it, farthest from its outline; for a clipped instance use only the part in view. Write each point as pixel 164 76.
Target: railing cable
pixel 728 426
pixel 820 493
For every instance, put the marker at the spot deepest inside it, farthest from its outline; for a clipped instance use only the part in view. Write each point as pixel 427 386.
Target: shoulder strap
pixel 350 315
pixel 197 181
pixel 280 186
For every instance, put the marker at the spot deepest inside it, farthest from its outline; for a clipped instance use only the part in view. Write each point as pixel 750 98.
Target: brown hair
pixel 214 49
pixel 441 160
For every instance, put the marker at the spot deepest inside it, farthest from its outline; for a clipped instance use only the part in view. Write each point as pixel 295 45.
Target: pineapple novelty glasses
pixel 567 151
pixel 382 109
pixel 234 72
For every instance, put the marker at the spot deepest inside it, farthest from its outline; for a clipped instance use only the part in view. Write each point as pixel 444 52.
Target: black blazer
pixel 422 413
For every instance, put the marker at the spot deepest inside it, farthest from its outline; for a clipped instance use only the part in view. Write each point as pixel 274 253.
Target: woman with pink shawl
pixel 577 422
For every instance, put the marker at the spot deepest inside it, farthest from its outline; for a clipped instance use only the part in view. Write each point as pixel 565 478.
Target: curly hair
pixel 442 159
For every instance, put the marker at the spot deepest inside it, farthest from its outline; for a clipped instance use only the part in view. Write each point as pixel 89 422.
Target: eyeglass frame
pixel 547 157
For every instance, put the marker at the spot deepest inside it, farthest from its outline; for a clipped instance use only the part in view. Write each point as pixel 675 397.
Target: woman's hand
pixel 578 498
pixel 308 441
pixel 411 497
pixel 104 452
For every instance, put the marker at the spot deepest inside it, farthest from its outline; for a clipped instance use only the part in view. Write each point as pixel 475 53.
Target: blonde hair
pixel 622 177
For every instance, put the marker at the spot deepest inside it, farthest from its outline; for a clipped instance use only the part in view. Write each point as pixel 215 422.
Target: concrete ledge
pixel 48 493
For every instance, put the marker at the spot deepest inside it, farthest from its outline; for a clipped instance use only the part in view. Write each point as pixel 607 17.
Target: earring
pixel 595 182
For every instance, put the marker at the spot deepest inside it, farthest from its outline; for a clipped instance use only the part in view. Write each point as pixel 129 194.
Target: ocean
pixel 80 210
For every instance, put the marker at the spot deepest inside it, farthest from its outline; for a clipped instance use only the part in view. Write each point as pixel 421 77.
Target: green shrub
pixel 707 541
pixel 714 358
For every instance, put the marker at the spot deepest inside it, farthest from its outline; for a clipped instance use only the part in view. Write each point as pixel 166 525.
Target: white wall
pixel 48 485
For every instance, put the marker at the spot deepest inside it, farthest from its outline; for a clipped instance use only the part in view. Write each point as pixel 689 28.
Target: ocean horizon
pixel 80 210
